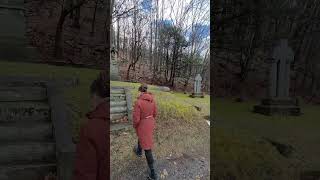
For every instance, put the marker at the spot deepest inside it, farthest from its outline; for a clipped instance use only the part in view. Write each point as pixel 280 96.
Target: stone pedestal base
pixel 197 95
pixel 278 106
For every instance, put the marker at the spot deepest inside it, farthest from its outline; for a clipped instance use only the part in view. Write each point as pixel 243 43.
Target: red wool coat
pixel 144 114
pixel 93 153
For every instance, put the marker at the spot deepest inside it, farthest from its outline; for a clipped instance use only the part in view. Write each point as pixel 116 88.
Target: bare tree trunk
pixel 151 55
pixel 156 35
pixel 58 47
pixel 107 29
pixel 128 71
pixel 94 18
pixel 76 20
pixel 124 39
pixel 118 34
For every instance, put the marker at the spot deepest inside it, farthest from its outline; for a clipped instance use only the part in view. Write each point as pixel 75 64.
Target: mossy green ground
pixel 180 128
pixel 77 98
pixel 173 105
pixel 239 150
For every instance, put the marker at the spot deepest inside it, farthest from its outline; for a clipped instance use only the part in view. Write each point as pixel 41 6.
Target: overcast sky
pixel 173 9
pixel 172 6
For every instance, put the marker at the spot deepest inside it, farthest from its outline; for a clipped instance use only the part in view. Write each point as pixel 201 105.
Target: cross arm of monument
pixel 269 60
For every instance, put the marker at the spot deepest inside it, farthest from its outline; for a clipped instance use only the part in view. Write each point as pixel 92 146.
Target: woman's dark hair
pixel 99 86
pixel 143 88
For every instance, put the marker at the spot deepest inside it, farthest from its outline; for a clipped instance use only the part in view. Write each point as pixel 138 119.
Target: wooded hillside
pixel 163 42
pixel 244 35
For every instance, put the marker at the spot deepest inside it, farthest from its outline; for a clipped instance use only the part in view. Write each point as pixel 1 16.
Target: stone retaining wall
pixel 120 108
pixel 35 136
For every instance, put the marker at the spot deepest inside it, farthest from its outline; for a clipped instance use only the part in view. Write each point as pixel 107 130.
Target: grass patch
pixel 240 156
pixel 172 105
pixel 77 98
pixel 238 141
pixel 243 110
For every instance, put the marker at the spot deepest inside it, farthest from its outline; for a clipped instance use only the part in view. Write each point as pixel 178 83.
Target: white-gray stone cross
pixel 282 56
pixel 197 84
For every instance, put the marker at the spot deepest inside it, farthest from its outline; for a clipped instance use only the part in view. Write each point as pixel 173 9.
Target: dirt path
pixel 184 167
pixel 182 151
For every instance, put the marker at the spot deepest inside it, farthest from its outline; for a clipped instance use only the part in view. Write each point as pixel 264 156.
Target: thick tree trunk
pixel 128 72
pixel 58 47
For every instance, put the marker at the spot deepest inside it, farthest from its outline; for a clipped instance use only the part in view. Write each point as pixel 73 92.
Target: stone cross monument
pixel 278 100
pixel 114 67
pixel 280 70
pixel 197 87
pixel 197 84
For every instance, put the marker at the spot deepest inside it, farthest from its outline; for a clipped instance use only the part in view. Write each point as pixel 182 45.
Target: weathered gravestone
pixel 35 137
pixel 120 108
pixel 197 87
pixel 278 101
pixel 13 41
pixel 114 67
pixel 160 88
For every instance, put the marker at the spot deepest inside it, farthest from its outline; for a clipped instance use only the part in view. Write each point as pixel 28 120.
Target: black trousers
pixel 149 156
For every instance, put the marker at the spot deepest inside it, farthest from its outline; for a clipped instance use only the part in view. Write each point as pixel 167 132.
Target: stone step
pixel 17 153
pixel 122 87
pixel 114 110
pixel 120 126
pixel 117 116
pixel 277 109
pixel 27 172
pixel 118 103
pixel 120 108
pixel 278 101
pixel 26 132
pixel 117 91
pixel 23 94
pixel 24 111
pixel 117 97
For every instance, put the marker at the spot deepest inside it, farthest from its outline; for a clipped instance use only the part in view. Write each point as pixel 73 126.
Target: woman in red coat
pixel 144 114
pixel 93 153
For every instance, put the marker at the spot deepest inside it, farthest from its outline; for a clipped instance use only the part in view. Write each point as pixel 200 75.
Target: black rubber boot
pixel 153 175
pixel 152 172
pixel 137 150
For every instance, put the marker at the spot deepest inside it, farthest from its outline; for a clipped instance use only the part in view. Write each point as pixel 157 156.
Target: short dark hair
pixel 99 85
pixel 143 88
